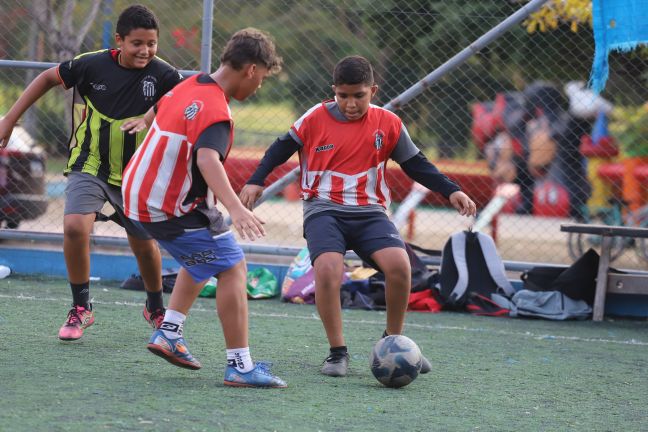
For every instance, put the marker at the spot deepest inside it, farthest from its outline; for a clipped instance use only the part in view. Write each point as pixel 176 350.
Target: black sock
pixel 154 301
pixel 80 294
pixel 339 350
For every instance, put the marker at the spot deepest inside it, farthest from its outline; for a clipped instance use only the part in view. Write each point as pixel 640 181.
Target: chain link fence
pixel 514 113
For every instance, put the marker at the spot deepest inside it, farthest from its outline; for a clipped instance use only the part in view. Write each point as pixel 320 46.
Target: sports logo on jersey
pixel 98 86
pixel 324 148
pixel 148 86
pixel 192 110
pixel 378 139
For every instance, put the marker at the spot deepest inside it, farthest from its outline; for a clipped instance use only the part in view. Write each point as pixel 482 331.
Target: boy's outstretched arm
pixel 139 124
pixel 245 222
pixel 278 153
pixel 421 170
pixel 37 88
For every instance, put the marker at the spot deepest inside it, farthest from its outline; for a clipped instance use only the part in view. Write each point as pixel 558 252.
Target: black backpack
pixel 577 281
pixel 471 264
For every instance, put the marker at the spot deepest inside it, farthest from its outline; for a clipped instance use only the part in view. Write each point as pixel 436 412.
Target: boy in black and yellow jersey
pixel 111 87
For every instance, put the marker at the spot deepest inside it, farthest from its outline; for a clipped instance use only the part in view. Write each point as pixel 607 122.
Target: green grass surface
pixel 489 374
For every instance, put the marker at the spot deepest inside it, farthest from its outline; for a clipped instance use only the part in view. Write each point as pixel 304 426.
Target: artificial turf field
pixel 489 374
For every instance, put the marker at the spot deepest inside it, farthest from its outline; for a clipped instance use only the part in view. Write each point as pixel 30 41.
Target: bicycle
pixel 619 214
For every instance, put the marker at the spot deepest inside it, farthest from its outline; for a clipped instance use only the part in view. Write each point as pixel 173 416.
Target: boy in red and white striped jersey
pixel 165 188
pixel 344 145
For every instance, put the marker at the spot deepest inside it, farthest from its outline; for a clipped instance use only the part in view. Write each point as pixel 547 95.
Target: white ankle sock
pixel 173 324
pixel 240 358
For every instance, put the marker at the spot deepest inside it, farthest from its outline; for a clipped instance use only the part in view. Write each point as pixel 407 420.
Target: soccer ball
pixel 395 361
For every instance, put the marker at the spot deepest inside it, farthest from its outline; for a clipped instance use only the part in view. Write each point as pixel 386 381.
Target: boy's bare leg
pixel 232 306
pixel 185 291
pixel 167 341
pixel 76 246
pixel 396 267
pixel 394 264
pixel 149 262
pixel 329 268
pixel 76 249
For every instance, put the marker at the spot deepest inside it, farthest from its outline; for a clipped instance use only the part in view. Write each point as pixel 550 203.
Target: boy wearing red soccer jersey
pixel 165 188
pixel 111 87
pixel 344 146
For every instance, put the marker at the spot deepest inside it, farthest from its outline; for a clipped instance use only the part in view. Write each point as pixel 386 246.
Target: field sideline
pixel 488 373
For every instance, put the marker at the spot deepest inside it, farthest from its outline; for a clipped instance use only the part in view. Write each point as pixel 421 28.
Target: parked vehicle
pixel 22 180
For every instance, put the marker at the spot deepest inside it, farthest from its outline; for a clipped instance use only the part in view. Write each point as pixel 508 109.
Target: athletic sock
pixel 173 324
pixel 154 301
pixel 385 334
pixel 240 358
pixel 81 294
pixel 339 351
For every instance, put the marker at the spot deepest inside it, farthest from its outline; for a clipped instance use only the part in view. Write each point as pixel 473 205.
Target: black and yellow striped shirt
pixel 105 96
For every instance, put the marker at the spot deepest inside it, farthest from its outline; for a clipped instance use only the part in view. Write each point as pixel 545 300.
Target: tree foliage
pixel 575 13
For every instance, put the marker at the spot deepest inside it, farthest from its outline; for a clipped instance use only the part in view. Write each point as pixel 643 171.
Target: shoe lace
pixel 264 367
pixel 73 316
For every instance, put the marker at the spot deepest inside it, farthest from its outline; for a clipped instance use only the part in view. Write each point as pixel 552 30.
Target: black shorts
pixel 364 233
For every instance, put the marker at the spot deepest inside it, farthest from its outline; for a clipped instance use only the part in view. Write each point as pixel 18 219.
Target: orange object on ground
pixel 641 175
pixel 632 187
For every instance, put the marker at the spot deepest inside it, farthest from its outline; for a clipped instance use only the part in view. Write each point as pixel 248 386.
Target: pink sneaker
pixel 79 318
pixel 155 318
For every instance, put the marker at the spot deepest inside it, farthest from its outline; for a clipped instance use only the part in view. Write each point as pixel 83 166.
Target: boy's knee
pixel 399 273
pixel 145 249
pixel 74 231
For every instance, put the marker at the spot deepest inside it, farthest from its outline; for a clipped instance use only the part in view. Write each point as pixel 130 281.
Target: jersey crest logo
pixel 192 110
pixel 378 139
pixel 148 87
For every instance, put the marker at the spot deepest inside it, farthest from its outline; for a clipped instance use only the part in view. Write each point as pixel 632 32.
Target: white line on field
pixel 314 317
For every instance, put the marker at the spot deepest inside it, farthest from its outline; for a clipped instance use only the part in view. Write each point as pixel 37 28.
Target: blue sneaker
pixel 260 376
pixel 174 351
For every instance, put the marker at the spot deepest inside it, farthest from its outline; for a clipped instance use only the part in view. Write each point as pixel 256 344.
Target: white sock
pixel 173 324
pixel 240 358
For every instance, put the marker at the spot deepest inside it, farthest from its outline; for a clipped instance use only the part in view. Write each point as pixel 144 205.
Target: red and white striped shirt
pixel 344 162
pixel 158 177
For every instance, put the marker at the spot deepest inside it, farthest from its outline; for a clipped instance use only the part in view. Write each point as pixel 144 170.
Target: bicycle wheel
pixel 579 243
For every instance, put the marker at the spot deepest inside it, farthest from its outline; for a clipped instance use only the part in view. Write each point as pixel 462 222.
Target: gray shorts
pixel 86 194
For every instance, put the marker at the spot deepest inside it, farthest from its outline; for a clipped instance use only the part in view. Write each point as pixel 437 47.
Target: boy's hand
pixel 464 205
pixel 250 194
pixel 6 127
pixel 134 126
pixel 248 225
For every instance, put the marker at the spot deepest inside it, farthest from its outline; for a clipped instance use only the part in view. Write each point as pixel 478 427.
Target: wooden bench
pixel 607 281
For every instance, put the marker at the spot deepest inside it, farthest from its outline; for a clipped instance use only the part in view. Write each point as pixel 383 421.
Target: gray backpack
pixel 470 263
pixel 552 305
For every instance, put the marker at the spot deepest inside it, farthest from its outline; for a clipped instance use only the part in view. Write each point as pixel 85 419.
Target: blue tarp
pixel 619 25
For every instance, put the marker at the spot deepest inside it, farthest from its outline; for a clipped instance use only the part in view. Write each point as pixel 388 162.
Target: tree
pixel 56 19
pixel 555 12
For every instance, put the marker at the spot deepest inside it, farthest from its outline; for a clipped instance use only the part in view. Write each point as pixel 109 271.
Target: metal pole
pixel 122 243
pixel 206 42
pixel 25 64
pixel 205 61
pixel 461 57
pixel 454 62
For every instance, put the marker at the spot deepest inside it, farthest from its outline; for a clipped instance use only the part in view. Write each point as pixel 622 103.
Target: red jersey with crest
pixel 344 162
pixel 158 177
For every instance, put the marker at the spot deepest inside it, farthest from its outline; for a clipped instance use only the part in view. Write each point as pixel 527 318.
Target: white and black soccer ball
pixel 395 361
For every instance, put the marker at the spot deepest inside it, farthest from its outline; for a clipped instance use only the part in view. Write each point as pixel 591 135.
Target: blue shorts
pixel 202 255
pixel 363 233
